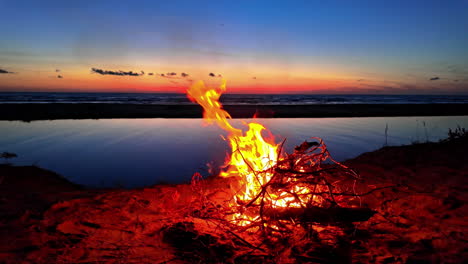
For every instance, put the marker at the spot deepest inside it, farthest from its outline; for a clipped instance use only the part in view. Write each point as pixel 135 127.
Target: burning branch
pixel 277 191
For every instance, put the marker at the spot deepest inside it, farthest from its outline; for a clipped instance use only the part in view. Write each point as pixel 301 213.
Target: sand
pixel 422 219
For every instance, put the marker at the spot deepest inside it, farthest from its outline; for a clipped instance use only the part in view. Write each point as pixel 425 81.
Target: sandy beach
pixel 29 112
pixel 420 219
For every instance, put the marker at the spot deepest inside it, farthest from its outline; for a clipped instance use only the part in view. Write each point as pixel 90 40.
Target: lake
pixel 141 152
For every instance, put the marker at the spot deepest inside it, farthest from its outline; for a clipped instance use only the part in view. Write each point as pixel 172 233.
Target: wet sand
pixel 29 112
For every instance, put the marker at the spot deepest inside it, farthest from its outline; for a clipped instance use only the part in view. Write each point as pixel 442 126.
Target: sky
pixel 323 47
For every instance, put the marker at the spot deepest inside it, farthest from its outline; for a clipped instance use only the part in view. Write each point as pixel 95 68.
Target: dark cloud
pixel 150 73
pixel 119 73
pixel 214 75
pixel 434 79
pixel 59 76
pixel 5 71
pixel 168 75
pixel 360 80
pixel 57 70
pixel 174 75
pixel 455 80
pixel 255 78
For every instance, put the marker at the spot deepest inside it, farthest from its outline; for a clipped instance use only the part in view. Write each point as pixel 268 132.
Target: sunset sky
pixel 385 47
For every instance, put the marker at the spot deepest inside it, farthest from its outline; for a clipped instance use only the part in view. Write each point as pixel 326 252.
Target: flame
pixel 252 159
pixel 209 100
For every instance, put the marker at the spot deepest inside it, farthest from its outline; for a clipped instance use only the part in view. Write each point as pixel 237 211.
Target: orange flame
pixel 209 99
pixel 252 157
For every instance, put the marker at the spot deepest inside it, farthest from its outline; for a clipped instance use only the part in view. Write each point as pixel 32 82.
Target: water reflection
pixel 139 152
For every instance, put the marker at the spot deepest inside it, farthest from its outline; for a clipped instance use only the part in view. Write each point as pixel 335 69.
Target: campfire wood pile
pixel 276 192
pixel 331 203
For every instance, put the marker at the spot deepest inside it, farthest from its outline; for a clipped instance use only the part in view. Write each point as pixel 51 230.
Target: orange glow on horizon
pixel 264 79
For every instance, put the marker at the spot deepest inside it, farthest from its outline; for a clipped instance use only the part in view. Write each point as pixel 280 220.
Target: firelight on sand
pixel 253 158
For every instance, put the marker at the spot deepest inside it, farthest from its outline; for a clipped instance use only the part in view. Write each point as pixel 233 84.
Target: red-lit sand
pixel 46 219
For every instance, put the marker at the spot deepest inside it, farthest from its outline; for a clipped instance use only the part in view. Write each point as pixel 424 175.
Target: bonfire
pixel 276 199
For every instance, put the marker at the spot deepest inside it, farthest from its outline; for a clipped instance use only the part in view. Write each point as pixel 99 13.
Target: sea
pixel 227 99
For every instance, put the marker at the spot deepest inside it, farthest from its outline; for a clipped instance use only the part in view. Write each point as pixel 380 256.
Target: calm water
pixel 139 152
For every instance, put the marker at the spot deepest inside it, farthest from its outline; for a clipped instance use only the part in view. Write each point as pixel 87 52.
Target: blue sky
pixel 393 46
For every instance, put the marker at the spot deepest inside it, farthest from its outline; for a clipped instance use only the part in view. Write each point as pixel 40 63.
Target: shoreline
pixel 52 111
pixel 418 152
